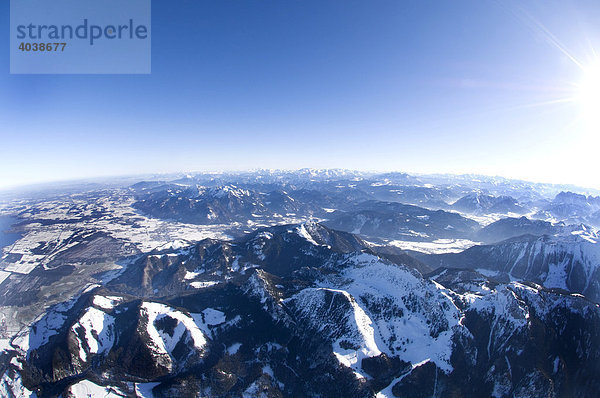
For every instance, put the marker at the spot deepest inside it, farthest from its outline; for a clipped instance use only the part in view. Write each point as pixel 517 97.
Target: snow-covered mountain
pixel 573 208
pixel 241 317
pixel 400 221
pixel 510 227
pixel 568 262
pixel 218 205
pixel 479 203
pixel 302 283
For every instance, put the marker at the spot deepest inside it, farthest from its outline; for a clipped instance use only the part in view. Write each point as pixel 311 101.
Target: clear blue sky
pixel 418 86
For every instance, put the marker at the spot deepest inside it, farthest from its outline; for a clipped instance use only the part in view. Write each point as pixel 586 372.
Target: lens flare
pixel 589 97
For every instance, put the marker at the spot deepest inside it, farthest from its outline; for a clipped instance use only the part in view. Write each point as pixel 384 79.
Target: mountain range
pixel 314 283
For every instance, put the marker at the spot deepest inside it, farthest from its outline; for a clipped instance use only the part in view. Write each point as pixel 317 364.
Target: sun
pixel 589 96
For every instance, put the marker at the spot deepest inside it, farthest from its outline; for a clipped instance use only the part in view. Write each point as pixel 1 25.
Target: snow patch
pixel 107 302
pixel 234 348
pixel 438 246
pixel 144 390
pixel 303 232
pixel 11 385
pixel 3 276
pixel 203 284
pixel 163 342
pixel 98 332
pixel 86 388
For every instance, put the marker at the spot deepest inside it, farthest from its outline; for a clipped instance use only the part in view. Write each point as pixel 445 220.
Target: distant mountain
pixel 573 208
pixel 479 203
pixel 229 203
pixel 511 227
pixel 406 222
pixel 424 196
pixel 218 205
pixel 267 196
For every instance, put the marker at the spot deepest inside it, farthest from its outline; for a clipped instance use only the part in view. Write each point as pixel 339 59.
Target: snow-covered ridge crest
pixel 228 190
pixel 174 245
pixel 384 308
pixel 415 318
pixel 305 229
pixel 344 322
pixel 106 302
pixel 176 328
pixel 94 333
pixel 259 287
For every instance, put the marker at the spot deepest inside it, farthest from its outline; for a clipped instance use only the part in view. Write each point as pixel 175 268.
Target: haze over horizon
pixel 128 179
pixel 464 87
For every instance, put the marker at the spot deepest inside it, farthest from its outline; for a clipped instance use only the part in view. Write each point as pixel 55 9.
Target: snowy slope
pixel 164 339
pixel 94 333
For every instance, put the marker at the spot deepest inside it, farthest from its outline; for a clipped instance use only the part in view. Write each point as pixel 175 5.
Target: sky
pixel 490 87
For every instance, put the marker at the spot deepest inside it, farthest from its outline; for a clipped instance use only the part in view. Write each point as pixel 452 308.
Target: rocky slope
pixel 567 262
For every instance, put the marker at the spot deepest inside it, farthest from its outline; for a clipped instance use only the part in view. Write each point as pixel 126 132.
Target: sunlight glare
pixel 589 97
